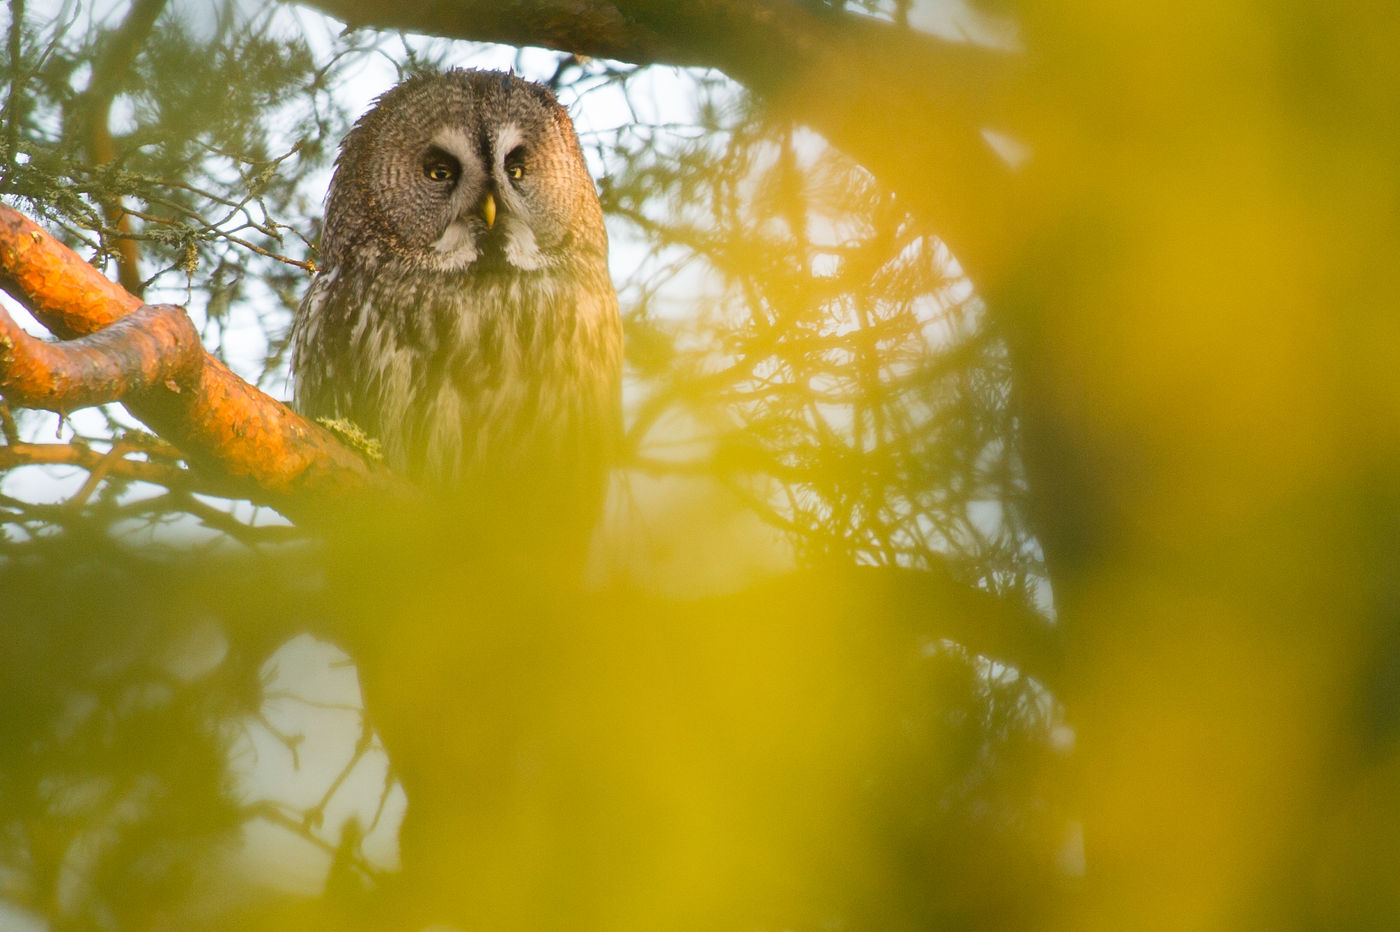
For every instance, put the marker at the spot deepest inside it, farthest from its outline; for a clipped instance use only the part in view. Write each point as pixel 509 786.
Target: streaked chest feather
pixel 455 375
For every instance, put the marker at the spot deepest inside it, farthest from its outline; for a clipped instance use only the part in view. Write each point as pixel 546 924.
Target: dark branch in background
pixel 12 101
pixel 922 136
pixel 925 606
pixel 94 112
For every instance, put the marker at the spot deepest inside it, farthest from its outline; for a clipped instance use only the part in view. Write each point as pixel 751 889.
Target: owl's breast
pixel 496 379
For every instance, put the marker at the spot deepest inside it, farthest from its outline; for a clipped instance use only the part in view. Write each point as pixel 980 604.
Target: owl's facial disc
pixel 491 225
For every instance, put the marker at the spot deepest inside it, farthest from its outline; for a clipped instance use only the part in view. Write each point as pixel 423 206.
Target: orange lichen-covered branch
pixel 149 359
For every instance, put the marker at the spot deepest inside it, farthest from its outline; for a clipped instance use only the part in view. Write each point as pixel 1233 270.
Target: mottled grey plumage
pixel 463 314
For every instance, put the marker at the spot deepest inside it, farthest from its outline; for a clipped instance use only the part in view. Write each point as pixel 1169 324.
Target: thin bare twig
pixel 7 424
pixel 15 454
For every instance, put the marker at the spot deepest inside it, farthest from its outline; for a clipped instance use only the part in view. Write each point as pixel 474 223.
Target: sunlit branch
pixel 224 425
pixel 155 345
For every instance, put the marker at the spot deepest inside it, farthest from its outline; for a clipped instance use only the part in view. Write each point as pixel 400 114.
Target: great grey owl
pixel 463 314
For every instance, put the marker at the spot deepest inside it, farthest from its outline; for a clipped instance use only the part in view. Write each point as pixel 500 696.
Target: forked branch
pixel 149 358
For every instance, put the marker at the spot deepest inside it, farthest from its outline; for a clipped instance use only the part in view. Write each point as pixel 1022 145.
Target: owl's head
pixel 463 170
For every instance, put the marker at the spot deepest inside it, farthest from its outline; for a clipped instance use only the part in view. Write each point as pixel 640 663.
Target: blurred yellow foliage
pixel 1206 296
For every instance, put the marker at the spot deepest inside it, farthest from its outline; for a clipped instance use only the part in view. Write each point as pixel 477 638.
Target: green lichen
pixel 354 436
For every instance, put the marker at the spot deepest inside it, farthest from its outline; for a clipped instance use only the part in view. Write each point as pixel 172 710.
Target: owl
pixel 463 314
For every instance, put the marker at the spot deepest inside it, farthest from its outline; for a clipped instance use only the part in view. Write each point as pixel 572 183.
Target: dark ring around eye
pixel 439 165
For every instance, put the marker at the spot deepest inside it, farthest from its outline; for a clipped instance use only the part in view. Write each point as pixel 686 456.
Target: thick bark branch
pixel 223 425
pixel 153 346
pixel 908 106
pixel 588 27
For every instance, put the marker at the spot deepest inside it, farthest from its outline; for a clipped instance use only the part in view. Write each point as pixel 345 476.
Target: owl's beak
pixel 488 211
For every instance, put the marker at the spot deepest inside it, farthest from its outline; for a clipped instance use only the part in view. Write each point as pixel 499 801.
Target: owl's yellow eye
pixel 438 171
pixel 440 166
pixel 515 163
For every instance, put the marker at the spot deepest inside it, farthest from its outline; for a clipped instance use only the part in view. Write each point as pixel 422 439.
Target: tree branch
pixel 77 454
pixel 12 101
pixel 156 345
pixel 222 424
pixel 922 135
pixel 95 115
